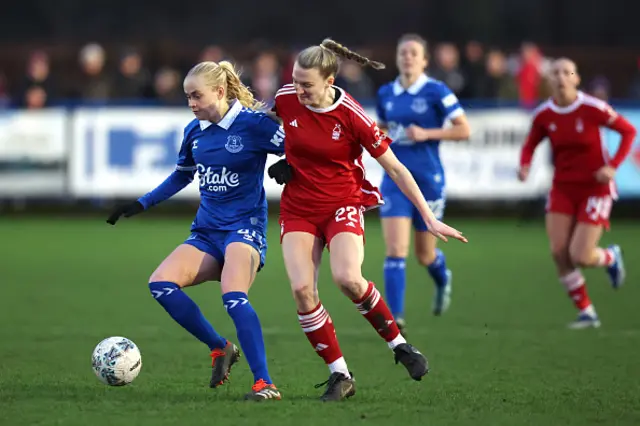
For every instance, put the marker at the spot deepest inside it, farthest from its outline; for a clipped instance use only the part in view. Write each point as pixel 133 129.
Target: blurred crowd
pixel 472 71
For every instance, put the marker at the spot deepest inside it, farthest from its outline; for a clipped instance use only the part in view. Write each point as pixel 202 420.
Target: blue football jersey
pixel 428 103
pixel 229 158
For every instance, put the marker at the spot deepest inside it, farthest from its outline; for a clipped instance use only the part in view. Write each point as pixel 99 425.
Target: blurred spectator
pixel 498 83
pixel 5 99
pixel 37 85
pixel 132 80
pixel 168 87
pixel 287 68
pixel 94 83
pixel 529 74
pixel 35 97
pixel 354 80
pixel 446 67
pixel 600 88
pixel 264 79
pixel 212 53
pixel 473 68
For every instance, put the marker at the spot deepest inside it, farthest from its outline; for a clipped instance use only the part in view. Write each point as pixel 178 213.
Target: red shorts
pixel 325 226
pixel 587 205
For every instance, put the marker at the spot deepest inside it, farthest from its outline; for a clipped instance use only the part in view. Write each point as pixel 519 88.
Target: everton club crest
pixel 234 144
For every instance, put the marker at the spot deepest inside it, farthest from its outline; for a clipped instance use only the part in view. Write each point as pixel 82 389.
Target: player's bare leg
pixel 433 259
pixel 184 267
pixel 187 266
pixel 347 255
pixel 302 257
pixel 397 235
pixel 585 253
pixel 560 228
pixel 241 262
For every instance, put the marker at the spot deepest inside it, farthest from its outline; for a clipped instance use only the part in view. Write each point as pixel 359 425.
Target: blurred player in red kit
pixel 583 189
pixel 323 202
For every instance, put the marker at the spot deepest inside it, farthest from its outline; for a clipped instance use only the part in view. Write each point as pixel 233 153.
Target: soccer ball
pixel 116 361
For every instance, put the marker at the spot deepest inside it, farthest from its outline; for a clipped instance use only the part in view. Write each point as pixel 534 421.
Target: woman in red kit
pixel 323 204
pixel 583 187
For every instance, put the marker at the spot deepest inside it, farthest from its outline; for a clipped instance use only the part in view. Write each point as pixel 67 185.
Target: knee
pixel 560 253
pixel 165 275
pixel 580 258
pixel 350 282
pixel 396 249
pixel 426 257
pixel 305 295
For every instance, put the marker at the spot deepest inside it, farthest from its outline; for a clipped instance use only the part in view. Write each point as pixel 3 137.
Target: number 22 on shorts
pixel 352 214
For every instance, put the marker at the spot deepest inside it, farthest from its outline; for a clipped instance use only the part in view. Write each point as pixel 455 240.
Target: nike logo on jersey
pixel 294 123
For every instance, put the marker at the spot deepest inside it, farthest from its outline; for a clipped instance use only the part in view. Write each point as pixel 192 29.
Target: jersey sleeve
pixel 628 134
pixel 185 155
pixel 369 135
pixel 448 103
pixel 270 135
pixel 535 136
pixel 604 114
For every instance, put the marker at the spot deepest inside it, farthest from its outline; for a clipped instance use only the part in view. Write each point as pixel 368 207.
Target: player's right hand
pixel 281 172
pixel 442 231
pixel 126 210
pixel 523 173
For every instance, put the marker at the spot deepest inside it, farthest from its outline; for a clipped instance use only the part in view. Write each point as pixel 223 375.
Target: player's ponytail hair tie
pixel 342 51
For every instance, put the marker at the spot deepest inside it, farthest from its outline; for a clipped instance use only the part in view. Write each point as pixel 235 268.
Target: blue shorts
pixel 396 204
pixel 215 243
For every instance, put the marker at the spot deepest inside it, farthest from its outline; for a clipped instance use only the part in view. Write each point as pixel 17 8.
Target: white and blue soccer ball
pixel 116 361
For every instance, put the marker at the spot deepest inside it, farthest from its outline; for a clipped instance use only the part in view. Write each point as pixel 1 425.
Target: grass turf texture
pixel 500 356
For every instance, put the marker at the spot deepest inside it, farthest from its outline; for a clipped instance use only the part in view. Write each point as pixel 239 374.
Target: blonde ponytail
pixel 237 90
pixel 224 74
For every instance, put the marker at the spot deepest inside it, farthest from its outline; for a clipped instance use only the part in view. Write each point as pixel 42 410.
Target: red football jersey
pixel 324 147
pixel 575 135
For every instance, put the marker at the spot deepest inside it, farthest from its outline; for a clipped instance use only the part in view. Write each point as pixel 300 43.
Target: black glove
pixel 281 172
pixel 127 210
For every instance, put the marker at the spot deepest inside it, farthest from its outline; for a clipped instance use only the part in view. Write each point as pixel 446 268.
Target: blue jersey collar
pixel 413 89
pixel 228 118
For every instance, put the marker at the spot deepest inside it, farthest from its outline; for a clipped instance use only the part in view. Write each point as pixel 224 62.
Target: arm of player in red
pixel 407 184
pixel 535 136
pixel 627 136
pixel 607 117
pixel 377 145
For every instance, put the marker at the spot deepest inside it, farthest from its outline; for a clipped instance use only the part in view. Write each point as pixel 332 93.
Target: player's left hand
pixel 605 174
pixel 416 133
pixel 442 231
pixel 126 210
pixel 281 172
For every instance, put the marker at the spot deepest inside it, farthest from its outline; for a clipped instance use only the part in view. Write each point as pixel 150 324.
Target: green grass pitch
pixel 500 356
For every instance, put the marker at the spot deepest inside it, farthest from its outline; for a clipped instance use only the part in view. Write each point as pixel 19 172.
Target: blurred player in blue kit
pixel 227 144
pixel 413 108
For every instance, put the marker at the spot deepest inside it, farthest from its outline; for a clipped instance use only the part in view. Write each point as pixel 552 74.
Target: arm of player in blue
pixel 167 189
pixel 180 178
pixel 271 135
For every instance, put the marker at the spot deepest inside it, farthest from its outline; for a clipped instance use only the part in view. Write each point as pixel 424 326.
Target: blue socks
pixel 438 269
pixel 249 333
pixel 395 280
pixel 186 313
pixel 394 284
